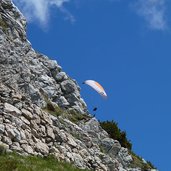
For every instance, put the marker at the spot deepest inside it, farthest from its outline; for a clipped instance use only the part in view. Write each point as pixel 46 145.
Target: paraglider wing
pixel 96 86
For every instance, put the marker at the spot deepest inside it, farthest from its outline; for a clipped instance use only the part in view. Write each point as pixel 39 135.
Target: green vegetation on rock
pixel 53 109
pixel 138 162
pixel 73 115
pixel 115 133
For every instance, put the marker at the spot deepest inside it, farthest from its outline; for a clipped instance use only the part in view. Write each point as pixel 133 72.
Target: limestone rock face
pixel 28 81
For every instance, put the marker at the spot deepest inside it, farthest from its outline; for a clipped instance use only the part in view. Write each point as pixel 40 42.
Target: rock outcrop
pixel 29 82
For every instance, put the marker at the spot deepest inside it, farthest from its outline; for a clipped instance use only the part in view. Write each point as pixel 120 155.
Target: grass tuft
pixel 72 115
pixel 16 162
pixel 138 162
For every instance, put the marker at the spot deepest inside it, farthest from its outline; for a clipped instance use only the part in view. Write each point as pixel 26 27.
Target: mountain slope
pixel 41 110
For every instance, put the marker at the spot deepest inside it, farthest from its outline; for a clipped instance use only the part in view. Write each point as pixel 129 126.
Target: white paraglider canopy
pixel 96 86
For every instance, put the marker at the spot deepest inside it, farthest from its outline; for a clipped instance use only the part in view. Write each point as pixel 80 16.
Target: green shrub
pixel 115 133
pixel 151 165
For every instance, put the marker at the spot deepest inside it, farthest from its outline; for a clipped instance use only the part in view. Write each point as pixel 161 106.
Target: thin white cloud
pixel 153 12
pixel 39 10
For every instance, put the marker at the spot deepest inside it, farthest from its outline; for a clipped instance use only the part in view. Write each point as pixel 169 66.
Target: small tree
pixel 115 133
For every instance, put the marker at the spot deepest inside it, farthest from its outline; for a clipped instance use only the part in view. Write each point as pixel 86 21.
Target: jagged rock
pixel 62 101
pixel 53 150
pixel 78 160
pixel 70 156
pixel 6 140
pixel 16 97
pixel 25 120
pixel 62 149
pixel 22 134
pixel 71 141
pixel 50 132
pixel 84 153
pixel 17 135
pixel 60 135
pixel 55 122
pixel 34 93
pixel 42 130
pixel 35 133
pixel 112 147
pixel 8 108
pixel 28 135
pixel 42 148
pixel 34 125
pixel 124 156
pixel 2 128
pixel 28 149
pixel 93 126
pixel 10 132
pixel 68 86
pixel 27 114
pixel 72 98
pixel 16 147
pixel 103 167
pixel 16 121
pixel 61 76
pixel 45 117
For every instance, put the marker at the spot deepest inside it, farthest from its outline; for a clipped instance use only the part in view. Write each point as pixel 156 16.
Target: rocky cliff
pixel 41 110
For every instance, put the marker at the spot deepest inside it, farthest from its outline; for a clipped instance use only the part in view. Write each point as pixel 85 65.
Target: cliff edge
pixel 41 110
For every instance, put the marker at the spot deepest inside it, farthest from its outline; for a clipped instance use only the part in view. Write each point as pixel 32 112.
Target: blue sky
pixel 124 45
